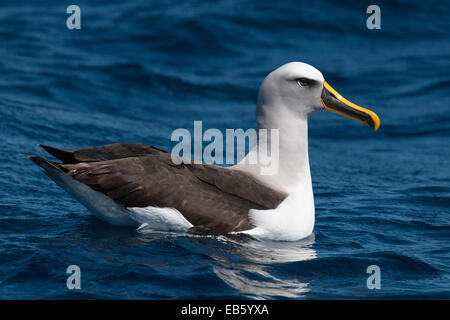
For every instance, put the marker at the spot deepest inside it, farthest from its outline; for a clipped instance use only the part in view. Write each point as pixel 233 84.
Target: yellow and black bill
pixel 334 102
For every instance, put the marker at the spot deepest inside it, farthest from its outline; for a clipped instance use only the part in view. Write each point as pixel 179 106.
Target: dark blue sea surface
pixel 139 69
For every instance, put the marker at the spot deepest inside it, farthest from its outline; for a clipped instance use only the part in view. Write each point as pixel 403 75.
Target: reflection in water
pixel 253 277
pixel 269 252
pixel 245 264
pixel 268 287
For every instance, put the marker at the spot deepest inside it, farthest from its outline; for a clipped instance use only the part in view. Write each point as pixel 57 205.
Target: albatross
pixel 129 184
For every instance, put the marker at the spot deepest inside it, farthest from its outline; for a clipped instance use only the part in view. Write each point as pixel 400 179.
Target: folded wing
pixel 213 199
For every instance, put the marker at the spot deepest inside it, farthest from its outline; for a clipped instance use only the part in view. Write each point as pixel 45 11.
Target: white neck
pixel 294 218
pixel 293 170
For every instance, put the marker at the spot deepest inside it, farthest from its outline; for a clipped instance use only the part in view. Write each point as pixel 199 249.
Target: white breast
pixel 292 220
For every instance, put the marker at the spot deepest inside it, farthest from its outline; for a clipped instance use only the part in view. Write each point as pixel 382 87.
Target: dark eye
pixel 303 82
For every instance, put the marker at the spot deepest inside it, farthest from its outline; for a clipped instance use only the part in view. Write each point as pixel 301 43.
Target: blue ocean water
pixel 139 69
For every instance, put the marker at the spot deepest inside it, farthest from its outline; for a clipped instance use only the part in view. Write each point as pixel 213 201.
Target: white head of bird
pixel 287 97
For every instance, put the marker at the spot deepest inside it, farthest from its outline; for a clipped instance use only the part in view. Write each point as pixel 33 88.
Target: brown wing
pixel 101 153
pixel 215 200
